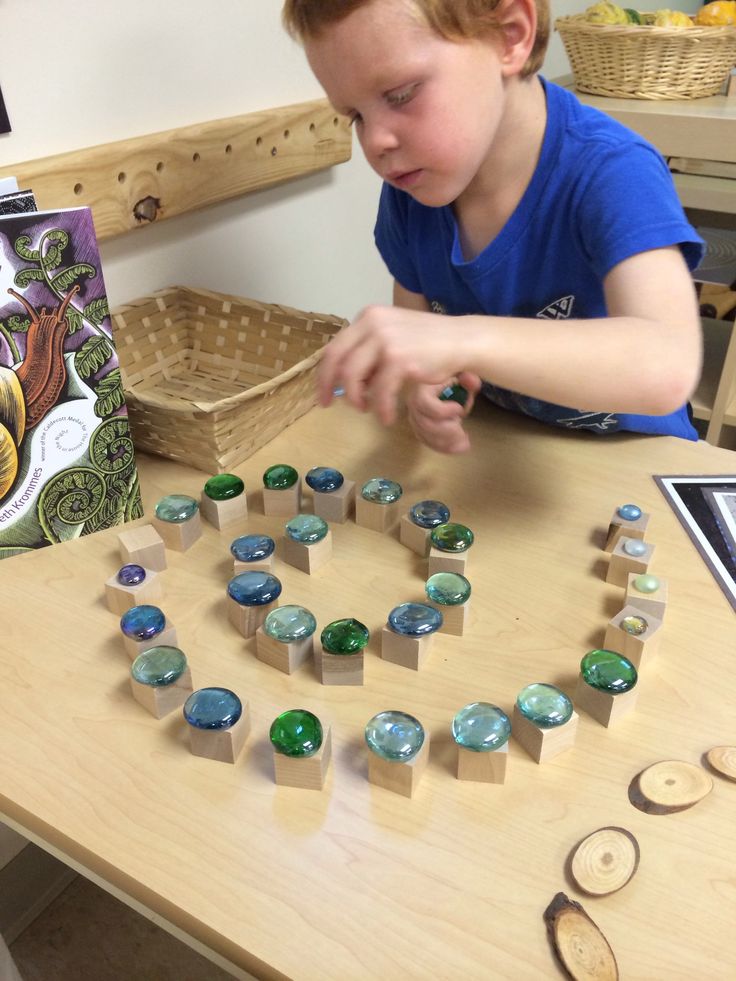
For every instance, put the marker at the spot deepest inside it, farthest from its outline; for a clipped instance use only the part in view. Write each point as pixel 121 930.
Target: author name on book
pixel 22 499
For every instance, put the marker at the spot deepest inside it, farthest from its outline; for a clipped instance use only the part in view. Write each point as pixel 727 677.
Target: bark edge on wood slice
pixel 578 942
pixel 722 759
pixel 604 861
pixel 669 786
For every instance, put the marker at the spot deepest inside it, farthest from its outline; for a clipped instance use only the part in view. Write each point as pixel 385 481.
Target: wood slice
pixel 579 945
pixel 669 786
pixel 723 760
pixel 604 862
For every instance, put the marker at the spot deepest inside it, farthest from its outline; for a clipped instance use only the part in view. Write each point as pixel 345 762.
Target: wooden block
pixel 604 706
pixel 120 598
pixel 621 564
pixel 440 561
pixel 414 537
pixel 337 506
pixel 247 619
pixel 221 744
pixel 179 536
pixel 307 773
pixel 409 652
pixel 223 514
pixel 454 618
pixel 283 503
pixel 377 517
pixel 401 778
pixel 619 526
pixel 543 744
pixel 167 637
pixel 283 657
pixel 308 558
pixel 488 767
pixel 257 565
pixel 338 669
pixel 653 603
pixel 161 700
pixel 143 546
pixel 638 648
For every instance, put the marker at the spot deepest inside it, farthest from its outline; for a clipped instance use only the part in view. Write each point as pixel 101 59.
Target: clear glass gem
pixel 429 514
pixel 448 588
pixel 414 619
pixel 380 490
pixel 634 547
pixel 288 624
pixel 452 537
pixel 324 480
pixel 176 508
pixel 213 708
pixel 629 512
pixel 347 636
pixel 131 574
pixel 223 487
pixel 252 548
pixel 280 477
pixel 306 528
pixel 254 588
pixel 142 622
pixel 394 736
pixel 608 671
pixel 296 732
pixel 159 666
pixel 634 625
pixel 544 705
pixel 646 583
pixel 481 727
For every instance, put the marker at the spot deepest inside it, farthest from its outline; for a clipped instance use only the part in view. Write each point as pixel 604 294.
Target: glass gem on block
pixel 306 528
pixel 280 477
pixel 346 636
pixel 324 480
pixel 380 490
pixel 213 708
pixel 448 588
pixel 629 512
pixel 159 666
pixel 608 671
pixel 142 622
pixel 131 575
pixel 296 733
pixel 546 706
pixel 634 625
pixel 394 736
pixel 252 548
pixel 634 547
pixel 176 508
pixel 290 624
pixel 254 588
pixel 646 583
pixel 481 727
pixel 429 514
pixel 224 487
pixel 414 619
pixel 452 537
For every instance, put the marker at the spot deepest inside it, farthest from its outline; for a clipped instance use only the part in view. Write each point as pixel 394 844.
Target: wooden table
pixel 356 882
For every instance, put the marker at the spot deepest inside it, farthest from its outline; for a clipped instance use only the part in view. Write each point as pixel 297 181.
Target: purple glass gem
pixel 131 575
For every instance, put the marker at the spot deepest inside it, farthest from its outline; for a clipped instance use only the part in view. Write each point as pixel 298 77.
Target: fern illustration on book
pixel 67 464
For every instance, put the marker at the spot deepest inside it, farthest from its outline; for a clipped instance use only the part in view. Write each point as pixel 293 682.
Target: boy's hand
pixel 439 424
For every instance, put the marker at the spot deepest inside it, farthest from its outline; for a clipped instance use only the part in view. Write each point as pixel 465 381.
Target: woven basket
pixel 647 62
pixel 210 378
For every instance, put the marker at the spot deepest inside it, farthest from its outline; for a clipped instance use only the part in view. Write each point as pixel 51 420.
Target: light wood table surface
pixel 356 882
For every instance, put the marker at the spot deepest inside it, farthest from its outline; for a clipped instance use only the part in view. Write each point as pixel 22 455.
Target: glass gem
pixel 348 636
pixel 646 583
pixel 448 588
pixel 454 393
pixel 176 508
pixel 324 480
pixel 544 705
pixel 280 477
pixel 452 537
pixel 629 512
pixel 380 490
pixel 131 574
pixel 414 619
pixel 634 546
pixel 254 588
pixel 252 548
pixel 481 727
pixel 634 625
pixel 608 671
pixel 429 514
pixel 288 624
pixel 159 666
pixel 296 733
pixel 213 708
pixel 223 487
pixel 394 736
pixel 142 622
pixel 306 528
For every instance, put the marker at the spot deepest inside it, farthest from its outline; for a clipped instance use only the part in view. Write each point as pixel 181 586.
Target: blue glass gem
pixel 252 548
pixel 481 727
pixel 379 490
pixel 629 512
pixel 394 736
pixel 448 588
pixel 429 514
pixel 306 528
pixel 131 575
pixel 142 622
pixel 414 619
pixel 213 708
pixel 324 480
pixel 159 666
pixel 289 624
pixel 634 546
pixel 544 705
pixel 176 508
pixel 254 588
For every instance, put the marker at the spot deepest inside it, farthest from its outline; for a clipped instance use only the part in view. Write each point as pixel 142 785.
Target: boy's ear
pixel 517 31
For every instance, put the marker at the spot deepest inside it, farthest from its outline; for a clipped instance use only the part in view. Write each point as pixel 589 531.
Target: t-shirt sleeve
pixel 392 237
pixel 628 205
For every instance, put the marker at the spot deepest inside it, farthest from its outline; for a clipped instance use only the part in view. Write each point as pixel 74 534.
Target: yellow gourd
pixel 672 18
pixel 606 13
pixel 722 13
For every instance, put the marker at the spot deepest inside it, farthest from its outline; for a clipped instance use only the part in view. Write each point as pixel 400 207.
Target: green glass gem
pixel 380 490
pixel 223 487
pixel 348 636
pixel 289 624
pixel 608 671
pixel 176 508
pixel 296 733
pixel 634 625
pixel 452 537
pixel 280 477
pixel 481 727
pixel 448 588
pixel 544 705
pixel 454 393
pixel 306 528
pixel 646 583
pixel 159 666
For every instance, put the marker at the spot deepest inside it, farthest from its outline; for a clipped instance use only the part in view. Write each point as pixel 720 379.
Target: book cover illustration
pixel 67 465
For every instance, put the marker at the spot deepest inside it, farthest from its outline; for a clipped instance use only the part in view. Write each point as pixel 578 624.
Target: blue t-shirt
pixel 599 194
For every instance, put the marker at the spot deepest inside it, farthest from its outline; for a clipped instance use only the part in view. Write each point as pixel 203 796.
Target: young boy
pixel 536 244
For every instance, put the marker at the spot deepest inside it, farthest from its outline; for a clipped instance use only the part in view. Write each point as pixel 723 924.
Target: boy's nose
pixel 377 139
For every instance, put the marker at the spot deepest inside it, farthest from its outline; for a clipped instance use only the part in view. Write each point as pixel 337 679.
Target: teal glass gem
pixel 481 727
pixel 429 514
pixel 454 393
pixel 280 477
pixel 159 666
pixel 608 671
pixel 414 619
pixel 448 588
pixel 176 508
pixel 544 705
pixel 629 512
pixel 223 487
pixel 452 537
pixel 252 548
pixel 306 528
pixel 254 588
pixel 634 625
pixel 324 480
pixel 296 733
pixel 634 547
pixel 289 624
pixel 380 490
pixel 347 636
pixel 395 736
pixel 142 622
pixel 213 708
pixel 646 583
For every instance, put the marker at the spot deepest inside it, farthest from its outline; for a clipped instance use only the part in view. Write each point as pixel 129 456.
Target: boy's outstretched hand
pixel 439 424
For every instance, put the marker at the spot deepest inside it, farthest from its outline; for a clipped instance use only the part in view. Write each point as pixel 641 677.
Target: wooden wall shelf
pixel 130 183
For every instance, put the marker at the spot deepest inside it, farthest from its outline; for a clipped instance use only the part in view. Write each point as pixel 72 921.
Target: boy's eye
pixel 401 96
pixel 354 117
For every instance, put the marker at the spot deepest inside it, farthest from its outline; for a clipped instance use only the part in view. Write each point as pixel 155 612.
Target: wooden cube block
pixel 401 778
pixel 161 700
pixel 257 565
pixel 305 772
pixel 337 506
pixel 179 536
pixel 409 652
pixel 283 503
pixel 543 744
pixel 654 603
pixel 487 767
pixel 414 537
pixel 440 561
pixel 619 526
pixel 167 637
pixel 604 706
pixel 454 618
pixel 120 598
pixel 377 517
pixel 621 564
pixel 224 514
pixel 247 619
pixel 338 669
pixel 143 546
pixel 638 648
pixel 221 744
pixel 283 657
pixel 308 557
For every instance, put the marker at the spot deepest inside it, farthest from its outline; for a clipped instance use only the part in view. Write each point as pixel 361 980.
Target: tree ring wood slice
pixel 579 944
pixel 669 786
pixel 605 861
pixel 723 760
